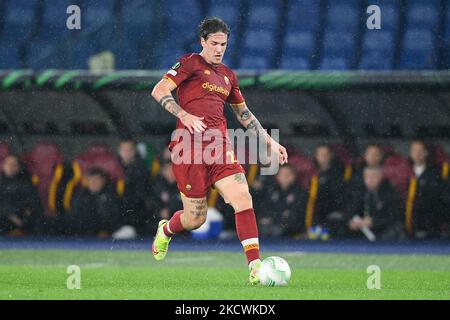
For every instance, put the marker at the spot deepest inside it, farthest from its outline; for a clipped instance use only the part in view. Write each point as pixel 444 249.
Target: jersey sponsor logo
pixel 172 72
pixel 212 87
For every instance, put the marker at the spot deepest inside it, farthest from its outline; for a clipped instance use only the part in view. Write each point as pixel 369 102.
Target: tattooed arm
pixel 162 93
pixel 251 123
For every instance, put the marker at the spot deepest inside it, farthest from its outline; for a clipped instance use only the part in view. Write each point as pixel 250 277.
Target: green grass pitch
pixel 42 274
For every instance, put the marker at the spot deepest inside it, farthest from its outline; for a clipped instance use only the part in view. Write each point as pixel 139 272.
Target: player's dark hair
pixel 212 25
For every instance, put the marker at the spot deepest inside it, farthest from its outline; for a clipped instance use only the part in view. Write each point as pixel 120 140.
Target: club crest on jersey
pixel 227 81
pixel 207 72
pixel 176 66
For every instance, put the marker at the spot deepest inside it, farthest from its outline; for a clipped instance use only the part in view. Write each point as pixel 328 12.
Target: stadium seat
pixel 258 42
pixel 441 159
pixel 343 15
pixel 297 50
pixel 102 157
pixel 336 64
pixel 9 56
pixel 390 14
pixel 180 30
pixel 96 13
pixel 228 12
pixel 136 49
pixel 254 63
pixel 19 20
pixel 47 50
pixel 418 50
pixel 398 171
pixel 259 39
pixel 294 63
pixel 305 169
pixel 423 14
pixel 303 16
pixel 377 50
pixel 42 161
pixel 338 51
pixel 5 150
pixel 300 34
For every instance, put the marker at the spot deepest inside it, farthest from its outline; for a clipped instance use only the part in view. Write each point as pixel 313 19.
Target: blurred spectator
pixel 95 209
pixel 329 205
pixel 165 190
pixel 373 158
pixel 21 210
pixel 424 194
pixel 136 208
pixel 282 208
pixel 376 207
pixel 445 218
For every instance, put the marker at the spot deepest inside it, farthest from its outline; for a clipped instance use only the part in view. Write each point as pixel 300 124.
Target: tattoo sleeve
pixel 249 121
pixel 168 103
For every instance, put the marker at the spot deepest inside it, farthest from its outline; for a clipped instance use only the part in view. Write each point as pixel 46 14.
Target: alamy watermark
pixel 74 278
pixel 73 22
pixel 374 280
pixel 374 20
pixel 216 147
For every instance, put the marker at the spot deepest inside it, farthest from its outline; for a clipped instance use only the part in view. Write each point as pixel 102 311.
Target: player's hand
pixel 280 150
pixel 191 122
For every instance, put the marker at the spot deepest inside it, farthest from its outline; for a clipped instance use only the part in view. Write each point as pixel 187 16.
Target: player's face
pixel 214 47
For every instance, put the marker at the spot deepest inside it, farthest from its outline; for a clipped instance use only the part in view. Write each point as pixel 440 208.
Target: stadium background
pixel 311 68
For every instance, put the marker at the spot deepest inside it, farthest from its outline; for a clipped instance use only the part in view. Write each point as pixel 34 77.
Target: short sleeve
pixel 235 98
pixel 180 71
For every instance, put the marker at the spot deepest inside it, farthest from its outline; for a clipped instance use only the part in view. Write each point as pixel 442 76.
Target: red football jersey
pixel 203 89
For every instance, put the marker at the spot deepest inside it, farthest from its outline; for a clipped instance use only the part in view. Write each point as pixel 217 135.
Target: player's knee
pixel 242 200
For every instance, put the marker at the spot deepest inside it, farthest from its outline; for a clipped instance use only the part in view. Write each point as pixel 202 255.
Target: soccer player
pixel 203 86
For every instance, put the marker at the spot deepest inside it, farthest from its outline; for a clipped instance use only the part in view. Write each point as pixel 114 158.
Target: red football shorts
pixel 195 179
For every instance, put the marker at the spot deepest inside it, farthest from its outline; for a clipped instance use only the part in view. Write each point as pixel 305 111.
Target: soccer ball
pixel 274 271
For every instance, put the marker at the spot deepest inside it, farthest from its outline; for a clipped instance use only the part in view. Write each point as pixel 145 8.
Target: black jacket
pixel 428 208
pixel 285 207
pixel 166 195
pixel 19 197
pixel 330 196
pixel 92 213
pixel 382 205
pixel 137 191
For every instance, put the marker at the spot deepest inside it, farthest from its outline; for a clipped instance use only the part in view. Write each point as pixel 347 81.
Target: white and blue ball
pixel 274 272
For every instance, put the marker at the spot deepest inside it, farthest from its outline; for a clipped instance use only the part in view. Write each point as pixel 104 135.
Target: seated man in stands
pixel 95 209
pixel 282 207
pixel 330 204
pixel 373 158
pixel 375 208
pixel 135 211
pixel 427 206
pixel 21 209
